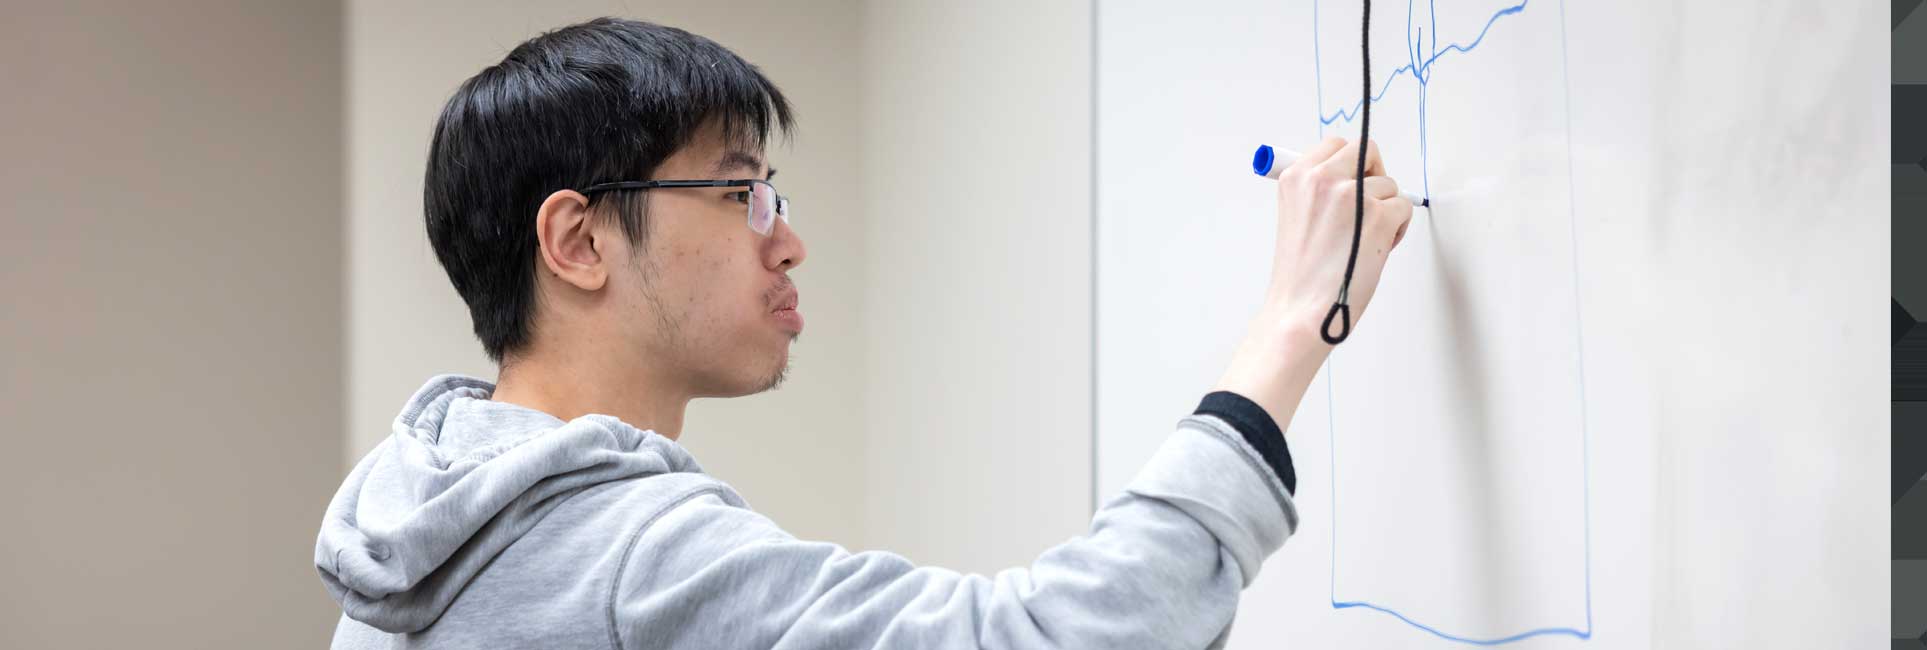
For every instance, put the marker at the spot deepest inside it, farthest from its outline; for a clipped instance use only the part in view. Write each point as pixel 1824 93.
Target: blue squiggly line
pixel 1544 631
pixel 1420 71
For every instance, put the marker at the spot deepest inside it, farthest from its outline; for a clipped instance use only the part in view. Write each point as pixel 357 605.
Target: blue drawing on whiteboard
pixel 1418 68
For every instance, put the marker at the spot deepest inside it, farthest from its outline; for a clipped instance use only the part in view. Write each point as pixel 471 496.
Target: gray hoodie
pixel 484 524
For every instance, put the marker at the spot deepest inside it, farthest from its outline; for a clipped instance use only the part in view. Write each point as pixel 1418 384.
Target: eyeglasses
pixel 765 205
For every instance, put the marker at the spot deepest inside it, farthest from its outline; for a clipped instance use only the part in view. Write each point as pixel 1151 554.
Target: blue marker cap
pixel 1261 161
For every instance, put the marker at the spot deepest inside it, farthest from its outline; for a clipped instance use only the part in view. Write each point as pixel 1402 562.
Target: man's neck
pixel 568 391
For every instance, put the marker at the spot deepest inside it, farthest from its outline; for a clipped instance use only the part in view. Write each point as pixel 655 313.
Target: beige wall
pixel 796 453
pixel 170 335
pixel 976 188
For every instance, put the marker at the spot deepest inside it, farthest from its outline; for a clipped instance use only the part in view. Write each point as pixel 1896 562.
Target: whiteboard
pixel 1621 387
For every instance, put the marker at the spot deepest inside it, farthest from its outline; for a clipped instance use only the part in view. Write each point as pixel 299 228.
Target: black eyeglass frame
pixel 782 202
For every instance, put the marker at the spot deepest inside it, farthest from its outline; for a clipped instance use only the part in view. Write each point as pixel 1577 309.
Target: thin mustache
pixel 775 294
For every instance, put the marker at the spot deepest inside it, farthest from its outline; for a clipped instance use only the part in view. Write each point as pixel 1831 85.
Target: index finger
pixel 1318 153
pixel 1346 160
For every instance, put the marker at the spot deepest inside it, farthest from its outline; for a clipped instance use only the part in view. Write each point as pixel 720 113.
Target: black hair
pixel 605 100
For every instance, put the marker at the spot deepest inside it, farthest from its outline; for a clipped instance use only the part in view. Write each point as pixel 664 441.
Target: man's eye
pixel 739 197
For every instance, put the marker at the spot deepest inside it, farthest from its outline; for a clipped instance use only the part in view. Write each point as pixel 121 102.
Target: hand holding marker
pixel 1269 162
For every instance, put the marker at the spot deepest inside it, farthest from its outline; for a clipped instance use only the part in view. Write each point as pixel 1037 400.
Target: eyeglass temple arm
pixel 644 185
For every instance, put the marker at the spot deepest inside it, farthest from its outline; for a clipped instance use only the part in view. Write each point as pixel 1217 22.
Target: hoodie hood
pixel 461 478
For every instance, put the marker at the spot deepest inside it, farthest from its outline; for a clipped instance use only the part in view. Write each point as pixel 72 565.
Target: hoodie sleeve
pixel 1161 567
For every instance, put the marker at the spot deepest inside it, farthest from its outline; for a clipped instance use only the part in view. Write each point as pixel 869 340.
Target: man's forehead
pixel 739 160
pixel 710 155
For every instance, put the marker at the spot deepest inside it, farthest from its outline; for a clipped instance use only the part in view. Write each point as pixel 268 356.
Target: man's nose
pixel 786 249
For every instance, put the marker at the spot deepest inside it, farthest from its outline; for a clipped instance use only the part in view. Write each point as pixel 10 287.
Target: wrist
pixel 1274 365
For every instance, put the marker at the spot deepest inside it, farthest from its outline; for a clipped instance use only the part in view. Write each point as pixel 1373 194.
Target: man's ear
pixel 565 234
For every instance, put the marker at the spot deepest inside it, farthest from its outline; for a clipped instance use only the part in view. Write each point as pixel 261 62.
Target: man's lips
pixel 786 309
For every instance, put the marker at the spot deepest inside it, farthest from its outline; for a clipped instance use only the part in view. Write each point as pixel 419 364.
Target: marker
pixel 1269 162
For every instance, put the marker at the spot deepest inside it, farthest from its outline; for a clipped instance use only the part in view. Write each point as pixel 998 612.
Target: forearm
pixel 1162 566
pixel 1274 366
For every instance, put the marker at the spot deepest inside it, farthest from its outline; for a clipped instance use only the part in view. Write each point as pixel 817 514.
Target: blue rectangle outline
pixel 1420 72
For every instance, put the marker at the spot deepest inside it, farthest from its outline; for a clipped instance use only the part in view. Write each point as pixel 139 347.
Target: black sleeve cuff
pixel 1258 428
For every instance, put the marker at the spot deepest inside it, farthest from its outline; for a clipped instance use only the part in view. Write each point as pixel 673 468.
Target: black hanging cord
pixel 1342 309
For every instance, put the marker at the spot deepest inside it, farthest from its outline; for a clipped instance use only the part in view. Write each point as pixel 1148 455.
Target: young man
pixel 601 200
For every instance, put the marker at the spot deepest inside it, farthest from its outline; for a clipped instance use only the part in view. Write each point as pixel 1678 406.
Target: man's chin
pixel 774 374
pixel 775 380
